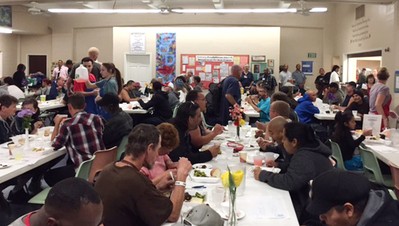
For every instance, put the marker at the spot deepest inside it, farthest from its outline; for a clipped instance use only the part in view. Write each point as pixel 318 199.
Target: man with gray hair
pixel 230 93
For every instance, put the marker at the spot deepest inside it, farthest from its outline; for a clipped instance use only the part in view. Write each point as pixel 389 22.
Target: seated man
pixel 119 125
pixel 173 97
pixel 160 103
pixel 276 132
pixel 129 197
pixel 263 105
pixel 344 198
pixel 350 88
pixel 72 201
pixel 305 109
pixel 277 108
pixel 202 135
pixel 8 107
pixel 127 94
pixel 57 87
pixel 81 135
pixel 333 95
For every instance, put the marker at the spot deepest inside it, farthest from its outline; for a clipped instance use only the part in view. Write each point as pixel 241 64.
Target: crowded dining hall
pixel 206 113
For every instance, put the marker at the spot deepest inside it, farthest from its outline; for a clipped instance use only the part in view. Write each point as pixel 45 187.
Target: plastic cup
pixel 258 160
pixel 217 196
pixel 269 156
pixel 11 148
pixel 18 153
pixel 354 113
pixel 243 156
pixel 42 98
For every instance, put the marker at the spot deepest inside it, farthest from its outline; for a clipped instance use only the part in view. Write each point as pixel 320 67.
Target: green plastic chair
pixel 372 168
pixel 337 155
pixel 122 147
pixel 83 172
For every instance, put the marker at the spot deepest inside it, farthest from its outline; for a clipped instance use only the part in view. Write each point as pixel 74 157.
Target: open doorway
pixel 371 61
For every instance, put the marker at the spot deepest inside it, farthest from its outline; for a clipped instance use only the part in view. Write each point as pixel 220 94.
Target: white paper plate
pixel 239 213
pixel 207 179
pixel 4 166
pixel 271 169
pixel 202 166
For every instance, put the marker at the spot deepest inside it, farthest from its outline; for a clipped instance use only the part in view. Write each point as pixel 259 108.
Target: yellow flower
pixel 242 122
pixel 237 177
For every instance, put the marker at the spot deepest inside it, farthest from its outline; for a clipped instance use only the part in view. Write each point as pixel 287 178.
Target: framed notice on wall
pixel 396 81
pixel 307 67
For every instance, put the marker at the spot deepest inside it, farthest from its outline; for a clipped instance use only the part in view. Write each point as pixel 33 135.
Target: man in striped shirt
pixel 81 135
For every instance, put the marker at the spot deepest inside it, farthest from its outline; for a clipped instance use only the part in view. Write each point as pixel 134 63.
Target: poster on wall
pixel 166 56
pixel 396 81
pixel 137 43
pixel 5 16
pixel 307 67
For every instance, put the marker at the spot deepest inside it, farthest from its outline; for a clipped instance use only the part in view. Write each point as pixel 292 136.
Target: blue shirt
pixel 107 86
pixel 232 87
pixel 264 106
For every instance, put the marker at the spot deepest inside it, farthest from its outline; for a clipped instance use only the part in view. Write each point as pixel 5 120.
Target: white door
pixel 138 68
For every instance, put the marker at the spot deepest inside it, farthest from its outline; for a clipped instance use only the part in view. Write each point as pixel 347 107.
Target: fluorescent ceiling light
pixel 132 11
pixel 5 30
pixel 318 10
pixel 104 11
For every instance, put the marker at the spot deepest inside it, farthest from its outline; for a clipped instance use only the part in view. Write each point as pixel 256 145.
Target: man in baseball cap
pixel 344 198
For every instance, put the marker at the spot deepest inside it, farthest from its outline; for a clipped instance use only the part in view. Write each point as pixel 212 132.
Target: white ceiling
pixel 186 4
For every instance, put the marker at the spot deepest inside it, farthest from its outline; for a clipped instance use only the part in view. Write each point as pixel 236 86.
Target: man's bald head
pixel 276 128
pixel 312 95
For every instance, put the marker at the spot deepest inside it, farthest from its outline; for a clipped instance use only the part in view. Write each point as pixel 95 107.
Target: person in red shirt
pixel 80 87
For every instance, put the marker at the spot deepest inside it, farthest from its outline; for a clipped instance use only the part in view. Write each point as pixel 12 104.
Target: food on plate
pixel 200 166
pixel 199 173
pixel 47 132
pixel 197 198
pixel 215 172
pixel 38 149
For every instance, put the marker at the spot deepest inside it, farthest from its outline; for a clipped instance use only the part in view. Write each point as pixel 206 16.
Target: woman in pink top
pixel 163 164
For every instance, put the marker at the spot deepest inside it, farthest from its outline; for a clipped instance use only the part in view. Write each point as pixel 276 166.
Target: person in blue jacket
pixel 305 109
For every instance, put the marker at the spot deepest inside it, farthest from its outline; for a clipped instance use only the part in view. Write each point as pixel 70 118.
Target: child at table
pixel 32 105
pixel 163 164
pixel 345 122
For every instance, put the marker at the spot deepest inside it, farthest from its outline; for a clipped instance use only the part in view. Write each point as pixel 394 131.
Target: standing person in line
pixel 19 77
pixel 319 82
pixel 285 76
pixel 230 93
pixel 247 78
pixel 334 75
pixel 362 77
pixel 370 82
pixel 60 70
pixel 111 83
pixel 299 78
pixel 380 97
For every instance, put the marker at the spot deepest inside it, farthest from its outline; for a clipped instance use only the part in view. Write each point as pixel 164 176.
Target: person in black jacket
pixel 119 125
pixel 188 118
pixel 344 198
pixel 160 103
pixel 345 122
pixel 19 77
pixel 309 159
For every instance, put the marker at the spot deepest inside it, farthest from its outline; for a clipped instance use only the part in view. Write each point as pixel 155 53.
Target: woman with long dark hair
pixel 344 123
pixel 188 118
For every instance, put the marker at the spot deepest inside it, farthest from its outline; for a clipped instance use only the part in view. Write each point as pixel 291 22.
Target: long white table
pixel 387 154
pixel 331 116
pixel 29 161
pixel 261 203
pixel 128 108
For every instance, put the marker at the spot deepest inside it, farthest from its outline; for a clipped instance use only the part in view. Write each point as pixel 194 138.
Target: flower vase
pixel 27 138
pixel 232 220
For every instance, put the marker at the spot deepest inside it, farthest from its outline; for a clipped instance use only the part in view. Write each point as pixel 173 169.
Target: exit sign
pixel 312 55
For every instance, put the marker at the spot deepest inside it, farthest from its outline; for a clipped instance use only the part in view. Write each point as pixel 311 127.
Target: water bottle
pixel 81 74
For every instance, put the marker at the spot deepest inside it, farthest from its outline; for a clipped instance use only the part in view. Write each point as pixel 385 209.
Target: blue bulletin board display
pixel 307 67
pixel 396 81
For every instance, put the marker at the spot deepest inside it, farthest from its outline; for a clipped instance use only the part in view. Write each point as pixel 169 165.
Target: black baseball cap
pixel 336 187
pixel 109 99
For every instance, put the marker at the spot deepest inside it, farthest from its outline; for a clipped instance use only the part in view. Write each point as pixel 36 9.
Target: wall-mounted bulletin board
pixel 210 67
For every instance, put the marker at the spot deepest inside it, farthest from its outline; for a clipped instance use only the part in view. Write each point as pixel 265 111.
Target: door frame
pixel 47 73
pixel 139 54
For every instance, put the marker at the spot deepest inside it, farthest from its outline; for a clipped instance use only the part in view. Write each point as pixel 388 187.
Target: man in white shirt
pixel 285 76
pixel 60 70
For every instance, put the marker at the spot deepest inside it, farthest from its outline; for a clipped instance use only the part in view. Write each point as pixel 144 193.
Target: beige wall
pixel 204 40
pixel 84 38
pixel 296 43
pixel 380 31
pixel 36 45
pixel 9 48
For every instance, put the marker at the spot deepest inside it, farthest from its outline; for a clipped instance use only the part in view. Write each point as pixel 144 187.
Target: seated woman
pixel 169 141
pixel 32 105
pixel 127 91
pixel 359 104
pixel 345 122
pixel 187 119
